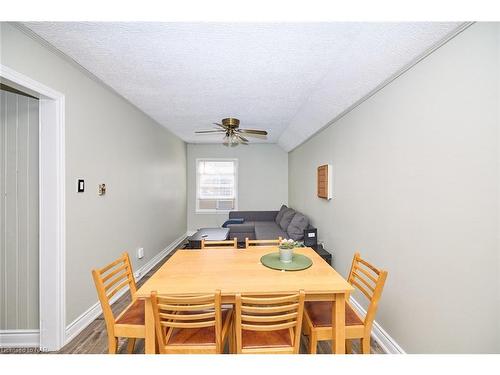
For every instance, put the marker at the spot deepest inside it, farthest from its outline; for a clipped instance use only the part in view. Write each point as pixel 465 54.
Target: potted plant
pixel 286 249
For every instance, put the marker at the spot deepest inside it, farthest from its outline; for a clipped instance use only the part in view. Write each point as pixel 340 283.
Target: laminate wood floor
pixel 93 339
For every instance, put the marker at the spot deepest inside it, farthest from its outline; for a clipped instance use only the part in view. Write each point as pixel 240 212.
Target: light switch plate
pixel 80 186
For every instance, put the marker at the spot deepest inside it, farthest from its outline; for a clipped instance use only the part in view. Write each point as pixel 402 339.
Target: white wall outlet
pixel 140 253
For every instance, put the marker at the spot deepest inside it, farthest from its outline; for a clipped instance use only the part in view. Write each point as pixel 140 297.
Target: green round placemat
pixel 299 262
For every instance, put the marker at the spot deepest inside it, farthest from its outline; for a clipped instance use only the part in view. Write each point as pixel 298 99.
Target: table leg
pixel 149 345
pixel 338 317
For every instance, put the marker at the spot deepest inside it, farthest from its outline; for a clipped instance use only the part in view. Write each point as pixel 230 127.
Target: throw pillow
pixel 232 221
pixel 286 218
pixel 297 226
pixel 280 214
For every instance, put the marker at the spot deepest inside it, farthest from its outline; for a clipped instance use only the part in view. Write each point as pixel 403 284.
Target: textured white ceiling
pixel 288 78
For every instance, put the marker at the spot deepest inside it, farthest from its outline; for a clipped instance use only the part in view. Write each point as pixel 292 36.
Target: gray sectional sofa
pixel 265 225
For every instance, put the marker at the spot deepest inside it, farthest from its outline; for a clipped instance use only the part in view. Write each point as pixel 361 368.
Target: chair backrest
pixel 254 243
pixel 270 314
pixel 369 280
pixel 200 311
pixel 109 281
pixel 227 244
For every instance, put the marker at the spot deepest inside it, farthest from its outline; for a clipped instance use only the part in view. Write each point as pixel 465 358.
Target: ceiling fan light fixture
pixel 231 140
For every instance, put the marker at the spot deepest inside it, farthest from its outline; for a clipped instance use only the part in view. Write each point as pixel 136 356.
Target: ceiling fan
pixel 233 134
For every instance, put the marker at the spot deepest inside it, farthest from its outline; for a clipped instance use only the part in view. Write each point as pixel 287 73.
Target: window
pixel 216 185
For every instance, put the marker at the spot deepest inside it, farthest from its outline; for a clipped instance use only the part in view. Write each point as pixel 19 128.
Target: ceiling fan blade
pixel 252 131
pixel 222 126
pixel 209 131
pixel 242 138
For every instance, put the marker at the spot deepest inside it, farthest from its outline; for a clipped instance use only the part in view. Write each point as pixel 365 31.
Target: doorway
pixel 19 119
pixel 50 335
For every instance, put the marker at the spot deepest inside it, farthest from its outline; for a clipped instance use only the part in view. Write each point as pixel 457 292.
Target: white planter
pixel 286 255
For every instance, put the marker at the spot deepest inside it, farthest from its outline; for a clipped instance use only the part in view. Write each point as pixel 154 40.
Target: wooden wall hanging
pixel 325 181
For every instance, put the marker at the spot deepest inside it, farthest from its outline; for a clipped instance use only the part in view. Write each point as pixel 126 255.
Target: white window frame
pixel 211 211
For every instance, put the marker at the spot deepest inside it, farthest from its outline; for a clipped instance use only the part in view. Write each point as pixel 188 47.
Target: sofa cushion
pixel 253 215
pixel 246 227
pixel 280 214
pixel 286 218
pixel 268 230
pixel 299 223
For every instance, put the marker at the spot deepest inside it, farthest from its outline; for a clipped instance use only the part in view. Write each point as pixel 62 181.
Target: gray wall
pixel 262 179
pixel 18 212
pixel 416 190
pixel 107 141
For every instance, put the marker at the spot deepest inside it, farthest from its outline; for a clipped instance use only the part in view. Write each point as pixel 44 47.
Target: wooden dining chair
pixel 256 243
pixel 191 324
pixel 370 281
pixel 268 324
pixel 109 281
pixel 217 245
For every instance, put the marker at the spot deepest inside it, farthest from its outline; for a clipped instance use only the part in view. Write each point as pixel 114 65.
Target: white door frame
pixel 52 209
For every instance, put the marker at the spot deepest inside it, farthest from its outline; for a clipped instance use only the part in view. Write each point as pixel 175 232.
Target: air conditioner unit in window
pixel 225 205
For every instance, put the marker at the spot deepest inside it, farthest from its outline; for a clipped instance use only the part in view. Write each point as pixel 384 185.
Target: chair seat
pixel 196 336
pixel 320 313
pixel 134 314
pixel 265 339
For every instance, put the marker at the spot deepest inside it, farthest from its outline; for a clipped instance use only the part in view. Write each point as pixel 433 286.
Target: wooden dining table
pixel 191 272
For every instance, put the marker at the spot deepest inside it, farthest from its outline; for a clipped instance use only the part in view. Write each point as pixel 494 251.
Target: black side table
pixel 323 253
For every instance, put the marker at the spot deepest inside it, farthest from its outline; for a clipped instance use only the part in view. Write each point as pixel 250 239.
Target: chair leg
pixel 130 345
pixel 348 346
pixel 112 345
pixel 230 339
pixel 157 345
pixel 365 345
pixel 233 348
pixel 313 342
pixel 305 329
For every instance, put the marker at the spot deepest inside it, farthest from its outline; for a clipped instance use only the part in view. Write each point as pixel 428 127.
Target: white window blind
pixel 216 184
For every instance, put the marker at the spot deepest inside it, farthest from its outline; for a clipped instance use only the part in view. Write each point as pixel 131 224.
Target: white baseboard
pixel 80 323
pixel 386 342
pixel 20 338
pixel 190 233
pixel 158 257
